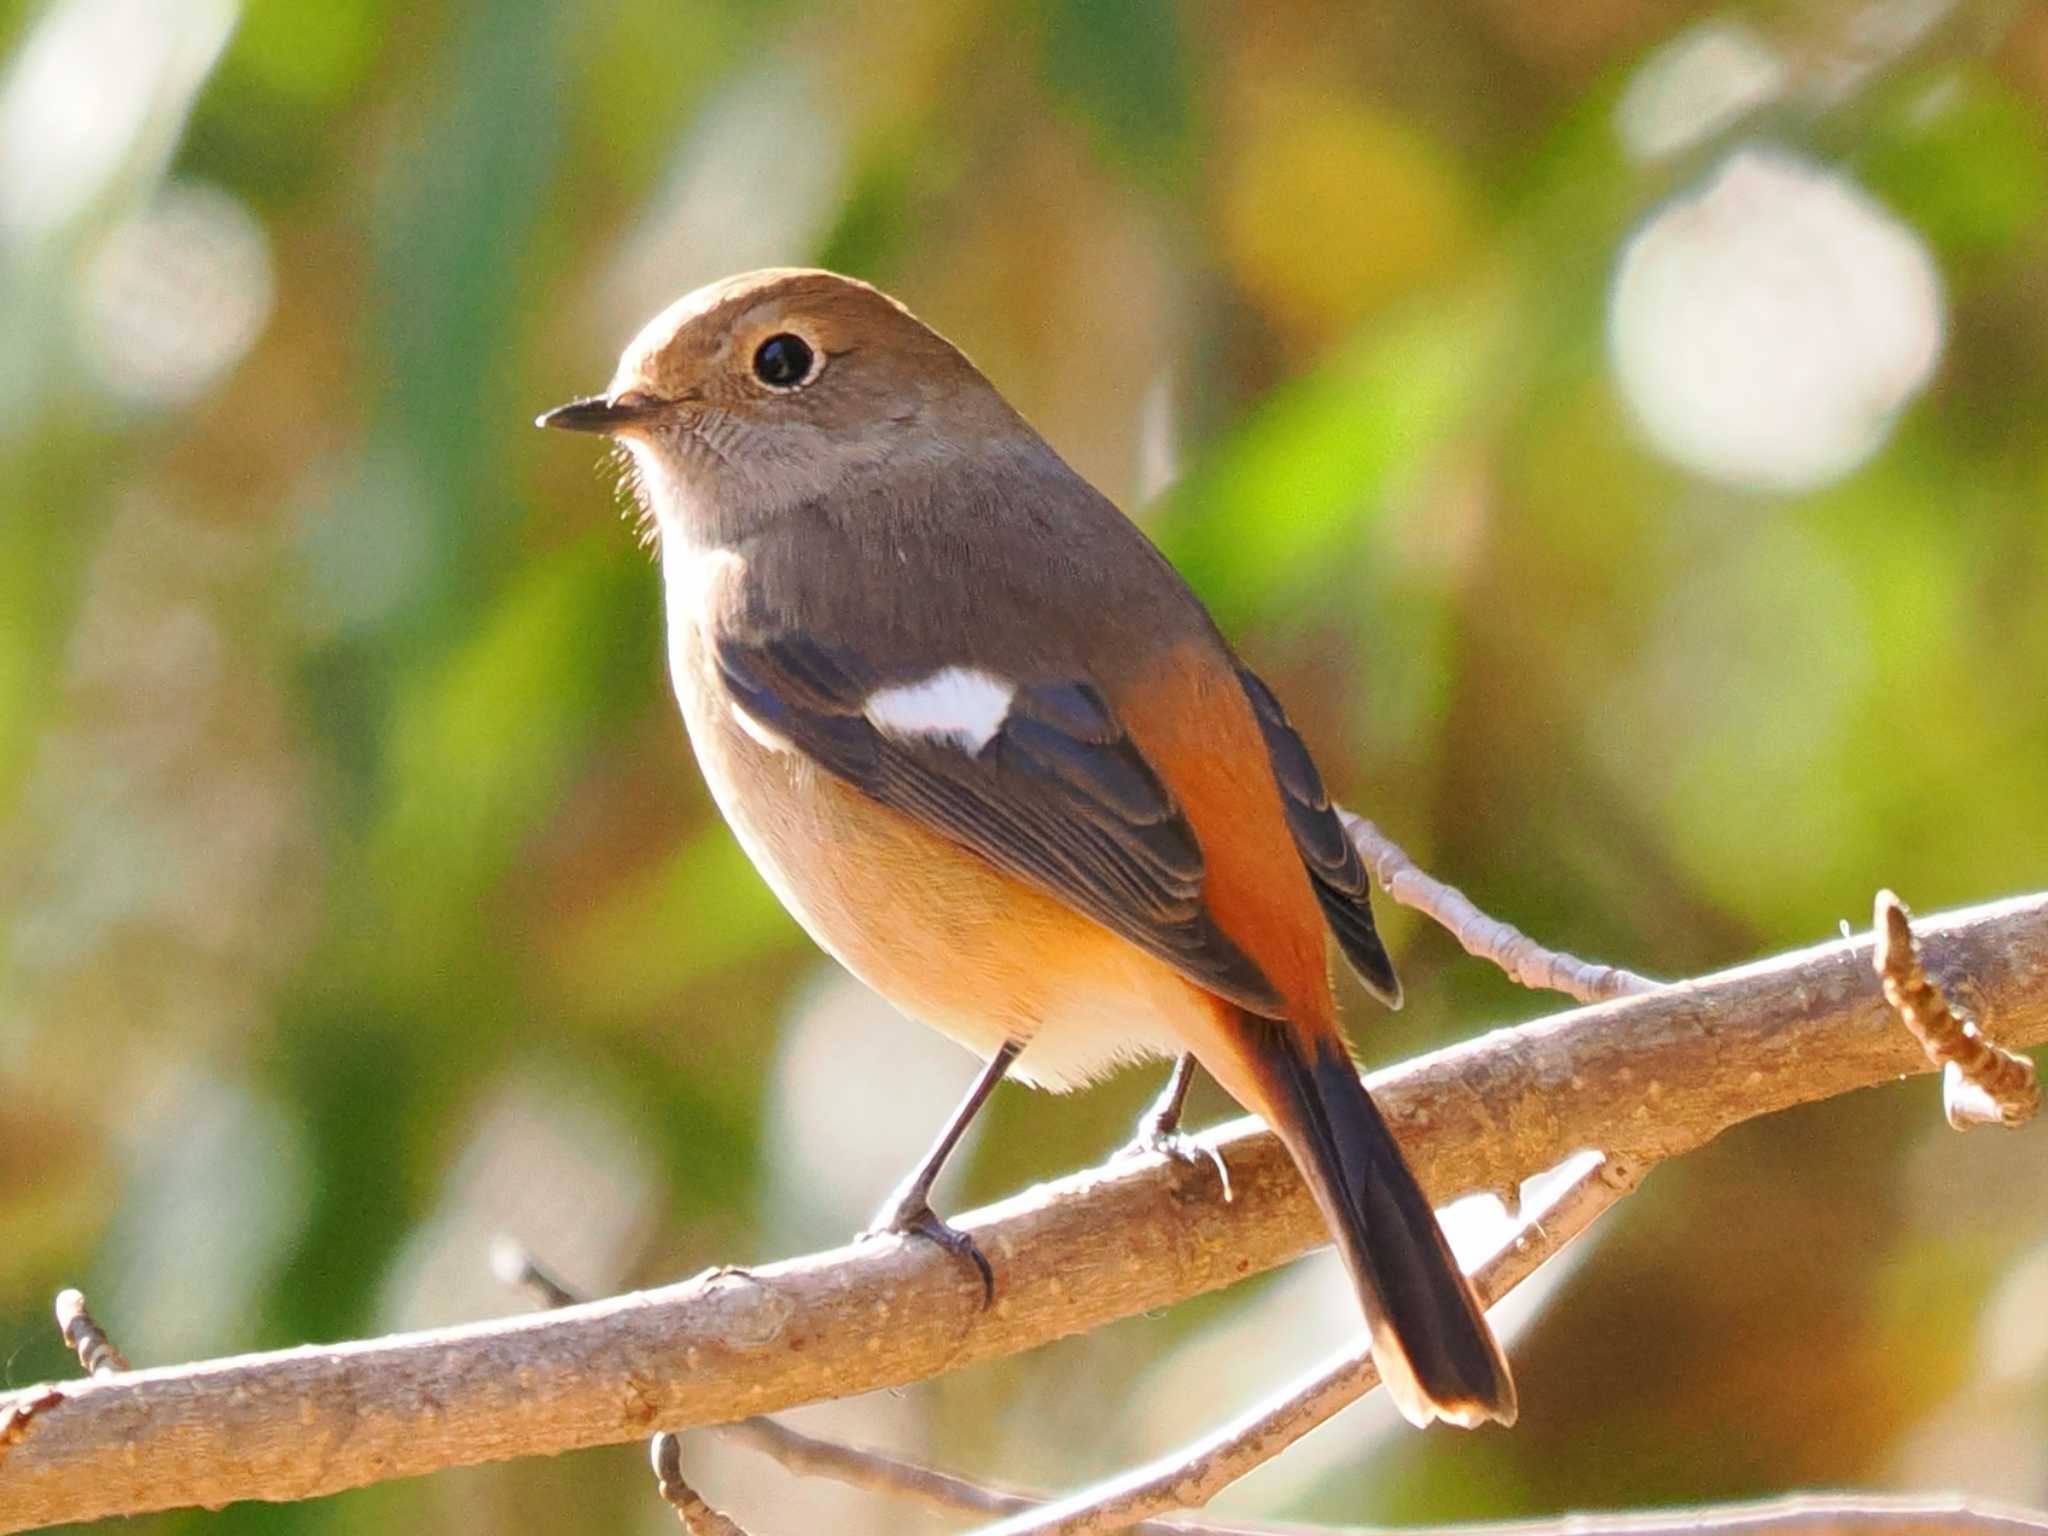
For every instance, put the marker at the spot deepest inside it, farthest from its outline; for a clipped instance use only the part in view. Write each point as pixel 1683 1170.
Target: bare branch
pixel 878 1472
pixel 1845 1514
pixel 874 1471
pixel 1805 1514
pixel 517 1269
pixel 1982 1083
pixel 1641 1078
pixel 96 1354
pixel 697 1517
pixel 1191 1477
pixel 1487 938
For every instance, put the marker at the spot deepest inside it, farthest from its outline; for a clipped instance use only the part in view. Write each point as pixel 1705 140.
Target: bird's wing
pixel 1040 779
pixel 1334 867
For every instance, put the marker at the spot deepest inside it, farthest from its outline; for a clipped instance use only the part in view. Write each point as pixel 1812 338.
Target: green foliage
pixel 1963 156
pixel 1124 65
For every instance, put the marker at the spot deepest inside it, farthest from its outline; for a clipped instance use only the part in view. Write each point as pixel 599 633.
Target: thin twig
pixel 1802 1514
pixel 1845 1514
pixel 96 1353
pixel 877 1472
pixel 697 1517
pixel 517 1269
pixel 1982 1083
pixel 1642 1077
pixel 1190 1477
pixel 1488 938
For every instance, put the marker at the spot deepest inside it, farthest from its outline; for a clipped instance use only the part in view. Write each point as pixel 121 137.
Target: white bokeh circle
pixel 1767 327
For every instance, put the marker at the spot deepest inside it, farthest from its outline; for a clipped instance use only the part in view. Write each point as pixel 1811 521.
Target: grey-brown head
pixel 773 388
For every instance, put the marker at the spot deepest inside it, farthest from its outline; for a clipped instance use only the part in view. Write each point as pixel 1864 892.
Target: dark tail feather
pixel 1436 1354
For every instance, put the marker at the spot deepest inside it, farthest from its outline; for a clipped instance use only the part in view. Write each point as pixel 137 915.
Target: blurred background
pixel 1619 430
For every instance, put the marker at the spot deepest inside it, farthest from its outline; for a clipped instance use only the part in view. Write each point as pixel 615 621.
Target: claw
pixel 919 1220
pixel 1153 1140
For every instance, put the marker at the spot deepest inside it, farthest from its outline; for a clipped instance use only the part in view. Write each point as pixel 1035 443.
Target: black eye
pixel 782 361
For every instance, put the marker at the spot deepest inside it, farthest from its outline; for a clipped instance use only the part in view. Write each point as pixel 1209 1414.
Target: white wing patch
pixel 960 705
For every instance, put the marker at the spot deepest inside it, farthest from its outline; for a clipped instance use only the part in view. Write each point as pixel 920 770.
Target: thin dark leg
pixel 909 1210
pixel 1159 1125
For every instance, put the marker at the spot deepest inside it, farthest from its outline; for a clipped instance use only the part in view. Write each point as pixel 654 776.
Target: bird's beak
pixel 600 413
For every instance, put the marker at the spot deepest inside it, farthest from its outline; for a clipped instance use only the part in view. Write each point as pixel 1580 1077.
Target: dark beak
pixel 599 413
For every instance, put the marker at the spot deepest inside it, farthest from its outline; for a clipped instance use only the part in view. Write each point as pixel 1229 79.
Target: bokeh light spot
pixel 1767 327
pixel 1696 85
pixel 175 297
pixel 100 85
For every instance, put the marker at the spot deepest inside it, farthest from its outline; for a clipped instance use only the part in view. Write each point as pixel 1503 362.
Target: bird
pixel 996 758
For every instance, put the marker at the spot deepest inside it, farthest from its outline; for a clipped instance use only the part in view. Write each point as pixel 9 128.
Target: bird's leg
pixel 909 1212
pixel 1159 1127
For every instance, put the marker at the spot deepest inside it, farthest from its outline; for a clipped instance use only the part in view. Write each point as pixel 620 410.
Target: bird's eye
pixel 783 361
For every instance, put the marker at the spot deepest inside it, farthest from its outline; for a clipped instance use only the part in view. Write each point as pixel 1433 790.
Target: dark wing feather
pixel 1334 867
pixel 1059 797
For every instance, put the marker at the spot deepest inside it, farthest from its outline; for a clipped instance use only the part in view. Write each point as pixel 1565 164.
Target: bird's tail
pixel 1430 1338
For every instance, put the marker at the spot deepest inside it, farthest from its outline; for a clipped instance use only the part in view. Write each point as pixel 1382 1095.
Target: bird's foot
pixel 1164 1138
pixel 912 1216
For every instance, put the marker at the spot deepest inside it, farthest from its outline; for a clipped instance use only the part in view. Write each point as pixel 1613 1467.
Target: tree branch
pixel 1484 936
pixel 1805 1514
pixel 697 1517
pixel 1640 1078
pixel 86 1339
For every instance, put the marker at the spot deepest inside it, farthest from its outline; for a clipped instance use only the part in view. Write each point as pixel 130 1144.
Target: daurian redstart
pixel 993 754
